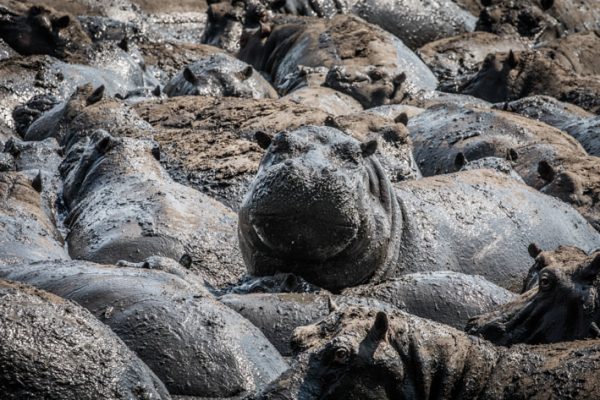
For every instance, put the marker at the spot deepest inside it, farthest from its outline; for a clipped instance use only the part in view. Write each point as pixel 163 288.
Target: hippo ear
pixel 546 4
pixel 124 44
pixel 36 183
pixel 96 96
pixel 156 91
pixel 331 306
pixel 401 119
pixel 156 152
pixel 533 250
pixel 460 160
pixel 512 59
pixel 189 76
pixel 246 73
pixel 399 79
pixel 512 155
pixel 263 140
pixel 380 327
pixel 104 144
pixel 546 171
pixel 368 148
pixel 61 23
pixel 590 271
pixel 186 260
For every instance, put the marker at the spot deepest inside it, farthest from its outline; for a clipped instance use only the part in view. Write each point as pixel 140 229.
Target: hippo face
pixel 224 26
pixel 320 207
pixel 491 83
pixel 561 306
pixel 39 32
pixel 348 355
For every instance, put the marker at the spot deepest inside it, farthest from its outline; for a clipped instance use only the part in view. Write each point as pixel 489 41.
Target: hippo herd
pixel 300 199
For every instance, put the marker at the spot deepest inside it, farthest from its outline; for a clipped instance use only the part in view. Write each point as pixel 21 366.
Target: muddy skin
pixel 428 99
pixel 374 231
pixel 496 163
pixel 441 133
pixel 561 304
pixel 220 75
pixel 64 352
pixel 365 62
pixel 513 75
pixel 196 345
pixel 28 231
pixel 363 353
pixel 104 179
pixel 581 124
pixel 454 60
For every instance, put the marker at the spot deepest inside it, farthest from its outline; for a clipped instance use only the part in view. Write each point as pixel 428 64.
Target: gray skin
pixel 447 297
pixel 220 75
pixel 364 61
pixel 499 164
pixel 124 206
pixel 195 345
pixel 364 353
pixel 559 303
pixel 322 207
pixel 581 124
pixel 63 352
pixel 29 232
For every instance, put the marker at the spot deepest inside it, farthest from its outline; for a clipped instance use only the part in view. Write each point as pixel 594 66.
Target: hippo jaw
pixel 318 208
pixel 564 306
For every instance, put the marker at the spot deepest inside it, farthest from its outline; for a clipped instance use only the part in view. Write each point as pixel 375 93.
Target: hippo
pixel 447 297
pixel 364 61
pixel 220 75
pixel 582 125
pixel 559 303
pixel 366 353
pixel 55 349
pixel 29 232
pixel 322 207
pixel 194 344
pixel 507 76
pixel 500 164
pixel 546 158
pixel 122 205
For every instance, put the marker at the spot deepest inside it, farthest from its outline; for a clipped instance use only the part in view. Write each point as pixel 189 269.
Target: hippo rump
pixel 220 75
pixel 559 303
pixel 364 61
pixel 196 345
pixel 124 206
pixel 52 348
pixel 28 231
pixel 364 353
pixel 447 297
pixel 322 207
pixel 582 125
pixel 546 158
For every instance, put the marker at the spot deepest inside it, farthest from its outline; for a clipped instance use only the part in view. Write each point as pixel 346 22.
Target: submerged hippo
pixel 560 302
pixel 51 348
pixel 322 207
pixel 124 206
pixel 364 353
pixel 197 346
pixel 220 75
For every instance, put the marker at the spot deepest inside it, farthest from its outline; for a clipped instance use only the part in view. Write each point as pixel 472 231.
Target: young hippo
pixel 322 207
pixel 194 344
pixel 52 348
pixel 364 353
pixel 124 206
pixel 560 302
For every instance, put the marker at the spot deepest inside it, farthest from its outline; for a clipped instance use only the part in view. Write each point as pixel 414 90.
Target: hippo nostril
pixel 288 163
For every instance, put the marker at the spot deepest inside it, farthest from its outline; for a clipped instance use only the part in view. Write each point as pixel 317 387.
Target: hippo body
pixel 197 346
pixel 322 207
pixel 220 75
pixel 124 206
pixel 559 302
pixel 360 353
pixel 29 232
pixel 62 351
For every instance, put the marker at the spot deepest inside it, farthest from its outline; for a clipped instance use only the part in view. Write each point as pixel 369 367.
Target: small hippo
pixel 197 346
pixel 52 348
pixel 123 206
pixel 322 207
pixel 29 232
pixel 366 353
pixel 559 303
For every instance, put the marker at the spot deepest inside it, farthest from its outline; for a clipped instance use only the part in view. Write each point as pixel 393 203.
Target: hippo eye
pixel 547 281
pixel 341 355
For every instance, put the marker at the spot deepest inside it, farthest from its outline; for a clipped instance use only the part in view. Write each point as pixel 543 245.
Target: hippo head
pixel 560 302
pixel 38 32
pixel 491 83
pixel 350 354
pixel 224 25
pixel 320 207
